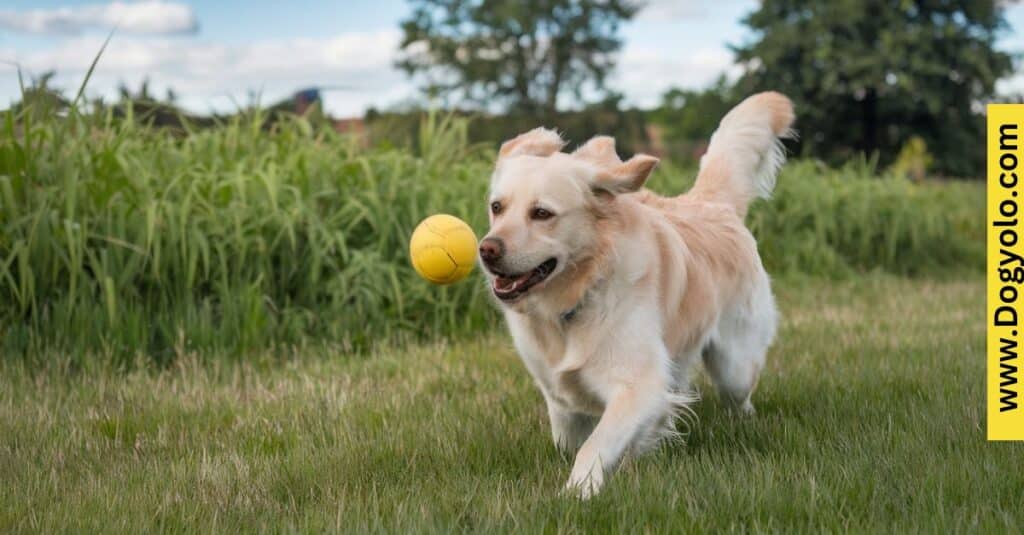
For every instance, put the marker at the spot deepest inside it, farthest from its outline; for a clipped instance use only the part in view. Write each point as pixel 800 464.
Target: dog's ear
pixel 626 177
pixel 599 150
pixel 536 142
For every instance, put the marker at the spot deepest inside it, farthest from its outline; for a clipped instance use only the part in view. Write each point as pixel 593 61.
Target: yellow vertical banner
pixel 1004 395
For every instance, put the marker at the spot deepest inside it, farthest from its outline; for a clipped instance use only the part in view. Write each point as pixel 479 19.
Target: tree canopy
pixel 517 55
pixel 866 75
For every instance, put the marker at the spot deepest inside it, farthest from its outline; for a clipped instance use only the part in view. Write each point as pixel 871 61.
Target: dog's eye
pixel 495 207
pixel 541 214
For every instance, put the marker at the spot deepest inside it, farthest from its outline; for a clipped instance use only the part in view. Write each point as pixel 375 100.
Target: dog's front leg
pixel 632 412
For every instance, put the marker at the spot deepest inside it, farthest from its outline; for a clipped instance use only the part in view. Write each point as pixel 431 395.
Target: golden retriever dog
pixel 613 293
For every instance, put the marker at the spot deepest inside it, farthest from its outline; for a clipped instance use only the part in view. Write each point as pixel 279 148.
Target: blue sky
pixel 216 54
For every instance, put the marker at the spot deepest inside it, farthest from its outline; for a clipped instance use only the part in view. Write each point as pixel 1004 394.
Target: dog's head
pixel 545 206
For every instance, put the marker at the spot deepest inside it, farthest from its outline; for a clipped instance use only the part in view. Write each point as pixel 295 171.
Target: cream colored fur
pixel 651 284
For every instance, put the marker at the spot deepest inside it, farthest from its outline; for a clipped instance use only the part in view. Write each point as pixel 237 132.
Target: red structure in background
pixel 304 99
pixel 353 125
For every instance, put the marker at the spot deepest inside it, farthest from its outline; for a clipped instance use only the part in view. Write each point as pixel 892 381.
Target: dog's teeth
pixel 507 285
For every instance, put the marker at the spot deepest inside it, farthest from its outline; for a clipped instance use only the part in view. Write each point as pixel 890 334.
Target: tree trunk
pixel 869 122
pixel 558 69
pixel 523 74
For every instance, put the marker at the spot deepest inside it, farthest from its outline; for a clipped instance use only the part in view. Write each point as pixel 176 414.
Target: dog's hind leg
pixel 735 355
pixel 568 429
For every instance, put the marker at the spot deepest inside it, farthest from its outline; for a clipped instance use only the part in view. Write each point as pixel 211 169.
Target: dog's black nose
pixel 491 250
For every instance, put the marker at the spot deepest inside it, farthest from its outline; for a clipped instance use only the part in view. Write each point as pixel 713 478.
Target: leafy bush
pixel 124 239
pixel 840 222
pixel 837 223
pixel 913 160
pixel 120 237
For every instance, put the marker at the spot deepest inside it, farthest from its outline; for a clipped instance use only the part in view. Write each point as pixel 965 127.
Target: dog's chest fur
pixel 544 346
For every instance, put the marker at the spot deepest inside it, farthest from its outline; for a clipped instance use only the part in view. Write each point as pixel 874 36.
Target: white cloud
pixel 672 10
pixel 675 10
pixel 645 73
pixel 144 17
pixel 213 76
pixel 1012 86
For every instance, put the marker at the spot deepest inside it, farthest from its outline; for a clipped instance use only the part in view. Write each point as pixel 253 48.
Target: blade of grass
pixel 88 73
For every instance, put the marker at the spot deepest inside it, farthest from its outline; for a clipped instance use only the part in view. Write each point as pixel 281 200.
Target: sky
pixel 217 55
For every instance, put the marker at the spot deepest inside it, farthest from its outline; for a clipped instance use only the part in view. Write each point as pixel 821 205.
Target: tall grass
pixel 120 239
pixel 114 236
pixel 846 221
pixel 836 223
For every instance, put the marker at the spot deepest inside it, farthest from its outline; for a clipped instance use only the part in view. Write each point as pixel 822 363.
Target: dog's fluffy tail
pixel 745 153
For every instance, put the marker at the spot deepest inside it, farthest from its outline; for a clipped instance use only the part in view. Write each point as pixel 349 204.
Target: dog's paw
pixel 585 484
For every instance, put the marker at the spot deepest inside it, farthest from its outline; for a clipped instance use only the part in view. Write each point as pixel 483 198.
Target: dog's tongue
pixel 510 284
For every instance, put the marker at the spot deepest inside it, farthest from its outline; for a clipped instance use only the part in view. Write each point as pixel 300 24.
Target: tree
pixel 522 55
pixel 40 98
pixel 867 75
pixel 686 118
pixel 692 115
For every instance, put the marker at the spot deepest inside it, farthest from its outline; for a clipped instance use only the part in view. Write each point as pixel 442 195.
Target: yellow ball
pixel 443 249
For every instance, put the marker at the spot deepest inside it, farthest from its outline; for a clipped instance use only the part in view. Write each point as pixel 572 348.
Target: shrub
pixel 124 239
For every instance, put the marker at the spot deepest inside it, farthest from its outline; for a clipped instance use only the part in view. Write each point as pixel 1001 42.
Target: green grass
pixel 120 240
pixel 870 419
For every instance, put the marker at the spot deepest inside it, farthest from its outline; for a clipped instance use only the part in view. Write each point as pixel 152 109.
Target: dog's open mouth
pixel 509 287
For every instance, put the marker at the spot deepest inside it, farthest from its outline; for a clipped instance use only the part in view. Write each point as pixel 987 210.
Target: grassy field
pixel 870 419
pixel 219 329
